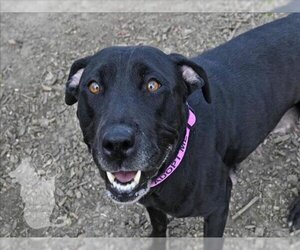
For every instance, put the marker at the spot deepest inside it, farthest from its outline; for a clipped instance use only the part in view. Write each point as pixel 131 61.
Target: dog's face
pixel 132 111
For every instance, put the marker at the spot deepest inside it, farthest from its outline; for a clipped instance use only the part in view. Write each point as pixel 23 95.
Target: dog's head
pixel 132 112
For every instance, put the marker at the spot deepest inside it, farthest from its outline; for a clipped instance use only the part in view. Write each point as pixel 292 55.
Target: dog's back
pixel 255 79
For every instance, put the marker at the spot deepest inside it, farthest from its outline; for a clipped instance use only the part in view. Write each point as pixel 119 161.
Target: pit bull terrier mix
pixel 166 131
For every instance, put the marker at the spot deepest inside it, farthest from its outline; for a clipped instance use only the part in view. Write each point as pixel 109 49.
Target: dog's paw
pixel 294 216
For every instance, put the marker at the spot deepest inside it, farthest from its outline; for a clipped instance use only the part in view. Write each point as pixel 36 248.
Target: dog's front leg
pixel 159 222
pixel 214 224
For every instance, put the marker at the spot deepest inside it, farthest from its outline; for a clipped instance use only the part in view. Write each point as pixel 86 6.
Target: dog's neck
pixel 180 152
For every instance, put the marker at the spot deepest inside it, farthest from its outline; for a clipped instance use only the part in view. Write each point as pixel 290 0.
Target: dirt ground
pixel 36 53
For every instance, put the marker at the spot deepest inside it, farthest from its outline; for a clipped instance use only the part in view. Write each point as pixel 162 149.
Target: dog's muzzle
pixel 130 186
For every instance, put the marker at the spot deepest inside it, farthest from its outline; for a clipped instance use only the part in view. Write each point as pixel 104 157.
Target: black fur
pixel 247 86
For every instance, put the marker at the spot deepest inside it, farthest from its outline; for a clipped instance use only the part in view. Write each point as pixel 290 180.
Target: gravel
pixel 36 52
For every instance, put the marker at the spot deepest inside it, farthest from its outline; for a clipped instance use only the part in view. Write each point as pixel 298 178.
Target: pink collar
pixel 175 164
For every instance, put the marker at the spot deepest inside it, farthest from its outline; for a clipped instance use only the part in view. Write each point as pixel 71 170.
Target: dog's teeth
pixel 110 177
pixel 124 188
pixel 133 185
pixel 137 177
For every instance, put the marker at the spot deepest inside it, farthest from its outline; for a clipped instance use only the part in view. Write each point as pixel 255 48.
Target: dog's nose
pixel 118 142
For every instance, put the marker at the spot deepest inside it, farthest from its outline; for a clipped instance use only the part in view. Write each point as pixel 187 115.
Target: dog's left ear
pixel 193 75
pixel 72 85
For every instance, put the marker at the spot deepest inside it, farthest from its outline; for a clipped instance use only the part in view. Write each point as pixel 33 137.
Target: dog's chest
pixel 174 203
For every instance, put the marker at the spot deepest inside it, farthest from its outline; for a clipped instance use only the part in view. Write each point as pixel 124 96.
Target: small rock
pixel 75 216
pixel 44 123
pixel 12 42
pixel 166 29
pixel 60 75
pixel 46 88
pixel 250 227
pixel 5 229
pixel 136 219
pixel 70 193
pixel 259 232
pixel 78 194
pixel 187 32
pixel 50 79
pixel 295 191
pixel 62 202
pixel 59 192
pixel 14 158
pixel 83 191
pixel 2 181
pixel 281 138
pixel 41 172
pixel 292 179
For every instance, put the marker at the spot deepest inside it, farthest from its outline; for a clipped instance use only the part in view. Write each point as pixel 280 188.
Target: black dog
pixel 133 112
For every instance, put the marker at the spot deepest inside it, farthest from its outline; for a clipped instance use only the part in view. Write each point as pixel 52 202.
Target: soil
pixel 37 50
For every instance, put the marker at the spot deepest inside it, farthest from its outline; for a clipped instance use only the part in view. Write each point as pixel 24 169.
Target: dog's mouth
pixel 130 186
pixel 127 186
pixel 124 181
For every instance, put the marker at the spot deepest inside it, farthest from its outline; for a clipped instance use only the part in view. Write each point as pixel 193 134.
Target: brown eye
pixel 95 88
pixel 153 86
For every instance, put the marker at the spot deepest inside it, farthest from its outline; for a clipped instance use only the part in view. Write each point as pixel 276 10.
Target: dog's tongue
pixel 124 177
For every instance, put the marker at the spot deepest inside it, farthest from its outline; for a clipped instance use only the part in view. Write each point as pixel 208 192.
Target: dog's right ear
pixel 72 85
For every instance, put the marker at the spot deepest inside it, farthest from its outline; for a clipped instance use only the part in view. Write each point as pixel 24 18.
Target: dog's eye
pixel 153 86
pixel 95 88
